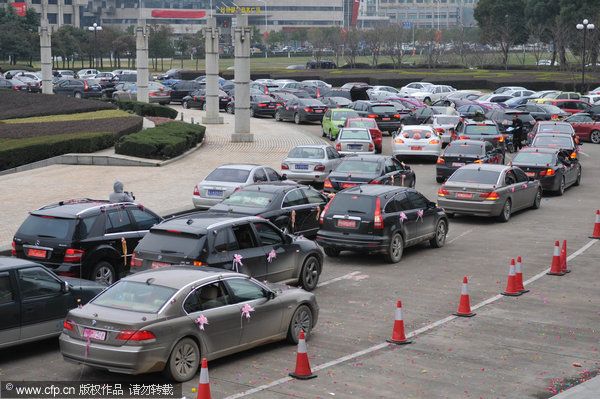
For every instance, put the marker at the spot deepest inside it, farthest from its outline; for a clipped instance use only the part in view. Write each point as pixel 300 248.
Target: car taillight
pixel 13 250
pixel 195 99
pixel 442 192
pixel 136 335
pixel 237 188
pixel 73 255
pixel 338 147
pixel 198 263
pixel 373 182
pixel 478 161
pixel 284 166
pixel 372 116
pixel 399 141
pixel 320 168
pixel 489 196
pixel 499 139
pixel 324 209
pixel 573 155
pixel 463 137
pixel 547 172
pixel 434 142
pixel 554 117
pixel 262 105
pixel 377 220
pixel 196 191
pixel 136 262
pixel 68 325
pixel 371 148
pixel 397 116
pixel 85 85
pixel 308 110
pixel 439 130
pixel 327 184
pixel 441 161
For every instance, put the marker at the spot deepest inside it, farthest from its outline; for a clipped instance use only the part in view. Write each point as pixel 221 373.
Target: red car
pixel 371 124
pixel 570 106
pixel 585 127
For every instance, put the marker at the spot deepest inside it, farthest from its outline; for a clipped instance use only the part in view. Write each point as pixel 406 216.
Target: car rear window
pixel 349 134
pixel 228 175
pixel 173 243
pixel 250 198
pixel 491 130
pixel 447 120
pixel 342 116
pixel 553 141
pixel 384 108
pixel 364 124
pixel 467 149
pixel 48 227
pixel 416 133
pixel 345 203
pixel 307 153
pixel 358 166
pixel 475 176
pixel 535 158
pixel 135 297
pixel 549 128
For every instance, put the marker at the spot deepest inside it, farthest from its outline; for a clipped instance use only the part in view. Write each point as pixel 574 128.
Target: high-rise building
pixel 429 13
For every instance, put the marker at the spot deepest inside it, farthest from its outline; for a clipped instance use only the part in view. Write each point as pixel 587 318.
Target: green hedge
pixel 15 153
pixel 145 109
pixel 162 142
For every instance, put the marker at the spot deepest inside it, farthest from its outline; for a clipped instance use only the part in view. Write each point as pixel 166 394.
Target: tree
pixel 317 38
pixel 352 46
pixel 393 39
pixel 374 40
pixel 159 43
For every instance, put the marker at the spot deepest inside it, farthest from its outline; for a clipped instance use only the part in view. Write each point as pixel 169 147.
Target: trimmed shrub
pixel 162 142
pixel 15 153
pixel 145 109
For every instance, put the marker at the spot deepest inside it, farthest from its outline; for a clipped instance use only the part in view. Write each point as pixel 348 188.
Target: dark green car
pixel 334 120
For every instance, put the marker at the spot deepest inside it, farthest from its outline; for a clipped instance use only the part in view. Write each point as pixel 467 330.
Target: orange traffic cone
pixel 203 385
pixel 563 258
pixel 398 336
pixel 511 283
pixel 596 233
pixel 556 269
pixel 464 308
pixel 519 277
pixel 302 367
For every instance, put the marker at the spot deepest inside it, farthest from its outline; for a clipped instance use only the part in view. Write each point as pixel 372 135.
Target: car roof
pixel 554 122
pixel 470 142
pixel 179 276
pixel 486 166
pixel 323 146
pixel 244 166
pixel 366 158
pixel 485 122
pixel 75 207
pixel 8 263
pixel 540 149
pixel 200 222
pixel 274 187
pixel 373 189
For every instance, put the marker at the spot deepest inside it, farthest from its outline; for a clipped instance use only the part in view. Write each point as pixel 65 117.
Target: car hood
pixel 358 177
pixel 82 284
pixel 236 210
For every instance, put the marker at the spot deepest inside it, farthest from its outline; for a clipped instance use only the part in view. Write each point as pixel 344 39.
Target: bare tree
pixel 393 39
pixel 374 41
pixel 352 44
pixel 317 38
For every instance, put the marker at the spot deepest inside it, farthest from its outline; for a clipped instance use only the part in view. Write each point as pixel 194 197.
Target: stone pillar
pixel 242 35
pixel 211 33
pixel 141 35
pixel 45 32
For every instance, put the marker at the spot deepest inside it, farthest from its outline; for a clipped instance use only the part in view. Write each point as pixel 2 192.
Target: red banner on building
pixel 180 14
pixel 355 7
pixel 20 8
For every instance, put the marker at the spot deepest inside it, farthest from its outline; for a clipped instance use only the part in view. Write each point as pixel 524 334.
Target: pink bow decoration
pixel 272 255
pixel 201 321
pixel 237 261
pixel 79 305
pixel 246 310
pixel 403 217
pixel 512 189
pixel 524 185
pixel 87 334
pixel 420 214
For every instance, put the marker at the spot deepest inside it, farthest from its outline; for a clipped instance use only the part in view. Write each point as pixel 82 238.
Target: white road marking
pixel 460 235
pixel 410 334
pixel 333 280
pixel 583 153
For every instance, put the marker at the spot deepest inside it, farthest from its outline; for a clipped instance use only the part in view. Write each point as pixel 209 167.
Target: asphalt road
pixel 523 347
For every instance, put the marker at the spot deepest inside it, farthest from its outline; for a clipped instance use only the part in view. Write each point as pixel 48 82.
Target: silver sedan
pixel 357 141
pixel 489 190
pixel 416 140
pixel 168 319
pixel 310 163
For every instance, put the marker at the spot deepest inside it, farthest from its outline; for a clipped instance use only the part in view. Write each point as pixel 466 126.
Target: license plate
pixel 354 147
pixel 215 193
pixel 346 223
pixel 416 148
pixel 94 334
pixel 156 265
pixel 530 174
pixel 464 195
pixel 385 119
pixel 318 111
pixel 304 167
pixel 346 185
pixel 458 164
pixel 37 253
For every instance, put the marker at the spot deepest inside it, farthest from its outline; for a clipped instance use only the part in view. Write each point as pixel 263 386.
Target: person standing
pixel 517 132
pixel 118 195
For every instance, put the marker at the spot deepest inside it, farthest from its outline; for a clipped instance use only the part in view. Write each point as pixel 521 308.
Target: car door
pixel 426 213
pixel 259 176
pixel 288 109
pixel 296 207
pixel 43 302
pixel 316 202
pixel 525 189
pixel 118 226
pixel 10 309
pixel 280 258
pixel 261 313
pixel 333 159
pixel 326 122
pixel 394 168
pixel 570 167
pixel 253 258
pixel 400 207
pixel 272 175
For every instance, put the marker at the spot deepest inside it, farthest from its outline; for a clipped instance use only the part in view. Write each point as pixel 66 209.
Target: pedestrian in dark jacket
pixel 517 126
pixel 118 195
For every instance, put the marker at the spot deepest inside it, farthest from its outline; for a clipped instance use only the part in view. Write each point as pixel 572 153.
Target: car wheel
pixel 331 138
pixel 204 106
pixel 297 119
pixel 414 182
pixel 277 116
pixel 229 109
pixel 103 273
pixel 427 100
pixel 441 230
pixel 323 134
pixel 183 361
pixel 505 214
pixel 77 95
pixel 578 180
pixel 116 98
pixel 333 252
pixel 595 137
pixel 301 320
pixel 561 187
pixel 309 276
pixel 252 113
pixel 450 215
pixel 104 96
pixel 537 201
pixel 185 104
pixel 395 249
pixel 378 150
pixel 439 179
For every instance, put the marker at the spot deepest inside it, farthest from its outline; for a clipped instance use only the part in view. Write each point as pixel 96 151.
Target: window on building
pixel 67 19
pixel 68 2
pixel 52 18
pixel 52 1
pixel 36 1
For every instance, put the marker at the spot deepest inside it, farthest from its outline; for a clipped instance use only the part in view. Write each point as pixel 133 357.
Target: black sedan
pixel 14 84
pixel 301 110
pixel 197 99
pixel 289 206
pixel 423 115
pixel 369 169
pixel 543 112
pixel 385 114
pixel 462 152
pixel 78 88
pixel 184 88
pixel 260 105
pixel 553 168
pixel 35 301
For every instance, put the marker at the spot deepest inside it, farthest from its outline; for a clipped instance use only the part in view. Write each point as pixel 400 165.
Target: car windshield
pixel 358 166
pixel 355 134
pixel 463 148
pixel 311 103
pixel 135 297
pixel 477 176
pixel 351 203
pixel 447 120
pixel 533 158
pixel 380 109
pixel 486 130
pixel 343 115
pixel 306 153
pixel 555 127
pixel 228 175
pixel 48 227
pixel 173 242
pixel 367 123
pixel 553 109
pixel 416 133
pixel 553 141
pixel 251 198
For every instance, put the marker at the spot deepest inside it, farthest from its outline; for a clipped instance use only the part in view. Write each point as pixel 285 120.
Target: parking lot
pixel 514 347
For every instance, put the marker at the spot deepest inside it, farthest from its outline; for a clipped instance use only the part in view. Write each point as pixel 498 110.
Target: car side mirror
pixel 431 204
pixel 270 295
pixel 64 286
pixel 288 239
pixel 283 177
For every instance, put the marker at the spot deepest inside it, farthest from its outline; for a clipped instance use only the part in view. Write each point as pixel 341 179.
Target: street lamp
pixel 584 27
pixel 265 34
pixel 95 28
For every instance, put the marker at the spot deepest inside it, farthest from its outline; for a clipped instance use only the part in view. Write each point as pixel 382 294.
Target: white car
pixel 433 93
pixel 310 163
pixel 445 126
pixel 226 179
pixel 319 83
pixel 413 88
pixel 416 140
pixel 353 140
pixel 87 73
pixel 502 89
pixel 518 93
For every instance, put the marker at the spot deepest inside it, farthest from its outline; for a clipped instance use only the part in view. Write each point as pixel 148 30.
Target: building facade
pixel 429 13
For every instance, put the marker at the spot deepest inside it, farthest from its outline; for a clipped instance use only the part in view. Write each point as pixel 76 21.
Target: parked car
pixel 493 98
pixel 469 110
pixel 553 168
pixel 552 127
pixel 33 85
pixel 310 163
pixel 84 237
pixel 369 169
pixel 334 119
pixel 445 126
pixel 293 208
pixel 354 140
pixel 570 106
pixel 35 301
pixel 423 115
pixel 484 130
pixel 168 319
pixel 384 113
pixel 504 121
pixel 371 124
pixel 157 92
pixel 184 88
pixel 14 84
pixel 463 152
pixel 225 179
pixel 301 110
pixel 503 89
pixel 175 73
pixel 78 88
pixel 381 219
pixel 335 102
pixel 416 141
pixel 585 126
pixel 543 112
pixel 556 141
pixel 197 99
pixel 322 64
pixel 414 87
pixel 489 190
pixel 433 93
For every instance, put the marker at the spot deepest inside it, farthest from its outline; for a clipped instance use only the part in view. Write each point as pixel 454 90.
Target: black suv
pixel 84 237
pixel 486 130
pixel 251 245
pixel 375 218
pixel 385 114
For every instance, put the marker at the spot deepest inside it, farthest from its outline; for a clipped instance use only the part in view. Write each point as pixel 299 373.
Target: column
pixel 211 33
pixel 45 32
pixel 242 35
pixel 141 35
